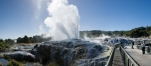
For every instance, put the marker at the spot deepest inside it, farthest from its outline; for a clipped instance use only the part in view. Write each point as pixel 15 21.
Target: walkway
pixel 136 54
pixel 117 61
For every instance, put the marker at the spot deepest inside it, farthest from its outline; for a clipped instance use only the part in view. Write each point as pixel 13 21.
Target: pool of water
pixel 3 61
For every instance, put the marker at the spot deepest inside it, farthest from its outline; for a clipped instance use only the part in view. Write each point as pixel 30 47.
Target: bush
pixel 7 57
pixel 1 64
pixel 53 64
pixel 2 46
pixel 14 63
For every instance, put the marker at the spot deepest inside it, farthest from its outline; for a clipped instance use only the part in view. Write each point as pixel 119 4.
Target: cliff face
pixel 65 52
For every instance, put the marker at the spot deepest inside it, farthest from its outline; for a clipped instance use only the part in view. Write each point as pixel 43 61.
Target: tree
pixel 25 39
pixel 9 41
pixel 139 32
pixel 30 40
pixel 19 40
pixel 1 40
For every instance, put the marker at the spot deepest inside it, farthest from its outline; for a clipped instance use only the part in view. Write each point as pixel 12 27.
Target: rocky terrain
pixel 66 52
pixel 75 52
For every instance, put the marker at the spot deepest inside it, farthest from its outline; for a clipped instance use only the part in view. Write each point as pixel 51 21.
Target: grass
pixel 14 63
pixel 53 64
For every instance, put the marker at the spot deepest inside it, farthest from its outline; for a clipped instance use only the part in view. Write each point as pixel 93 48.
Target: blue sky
pixel 23 17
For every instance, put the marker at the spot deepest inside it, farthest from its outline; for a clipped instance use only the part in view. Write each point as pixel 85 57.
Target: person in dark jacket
pixel 143 48
pixel 121 44
pixel 132 45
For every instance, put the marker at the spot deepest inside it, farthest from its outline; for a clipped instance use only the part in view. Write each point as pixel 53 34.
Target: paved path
pixel 117 61
pixel 136 54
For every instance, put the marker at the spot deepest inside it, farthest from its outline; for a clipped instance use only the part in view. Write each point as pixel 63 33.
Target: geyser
pixel 63 20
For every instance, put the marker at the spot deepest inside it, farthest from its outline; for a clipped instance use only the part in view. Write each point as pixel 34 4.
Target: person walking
pixel 132 45
pixel 143 48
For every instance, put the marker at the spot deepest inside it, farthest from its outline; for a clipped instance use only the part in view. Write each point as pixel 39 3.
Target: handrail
pixel 110 60
pixel 127 59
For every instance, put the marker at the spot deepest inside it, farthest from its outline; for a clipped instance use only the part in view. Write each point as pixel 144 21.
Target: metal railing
pixel 127 59
pixel 110 60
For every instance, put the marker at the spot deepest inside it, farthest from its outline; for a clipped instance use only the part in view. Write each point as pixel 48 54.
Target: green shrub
pixel 7 57
pixel 53 64
pixel 1 64
pixel 2 47
pixel 14 63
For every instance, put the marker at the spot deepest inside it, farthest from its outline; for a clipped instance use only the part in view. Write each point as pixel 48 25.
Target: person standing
pixel 132 45
pixel 121 44
pixel 143 48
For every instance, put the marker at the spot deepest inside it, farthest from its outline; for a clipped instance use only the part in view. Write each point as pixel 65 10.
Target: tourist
pixel 143 47
pixel 121 44
pixel 132 44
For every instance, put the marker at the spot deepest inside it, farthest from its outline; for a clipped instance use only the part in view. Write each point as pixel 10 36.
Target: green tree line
pixel 5 44
pixel 34 39
pixel 134 33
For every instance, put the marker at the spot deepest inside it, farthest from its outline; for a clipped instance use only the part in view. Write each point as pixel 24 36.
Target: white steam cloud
pixel 63 20
pixel 100 39
pixel 42 30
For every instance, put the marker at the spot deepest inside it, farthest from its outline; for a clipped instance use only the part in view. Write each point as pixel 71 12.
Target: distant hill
pixel 134 33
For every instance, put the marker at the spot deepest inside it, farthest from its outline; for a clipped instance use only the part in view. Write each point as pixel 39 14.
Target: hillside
pixel 134 33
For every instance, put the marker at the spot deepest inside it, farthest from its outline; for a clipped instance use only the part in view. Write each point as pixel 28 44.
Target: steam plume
pixel 63 20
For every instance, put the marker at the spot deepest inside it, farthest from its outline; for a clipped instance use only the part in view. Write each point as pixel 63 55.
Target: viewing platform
pixel 136 54
pixel 130 57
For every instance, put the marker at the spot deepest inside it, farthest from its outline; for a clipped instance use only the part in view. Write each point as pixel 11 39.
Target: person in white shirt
pixel 143 47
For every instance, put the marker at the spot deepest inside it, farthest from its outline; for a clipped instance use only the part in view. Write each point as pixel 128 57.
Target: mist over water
pixel 63 20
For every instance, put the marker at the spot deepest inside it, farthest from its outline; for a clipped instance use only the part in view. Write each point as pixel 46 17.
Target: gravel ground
pixel 117 61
